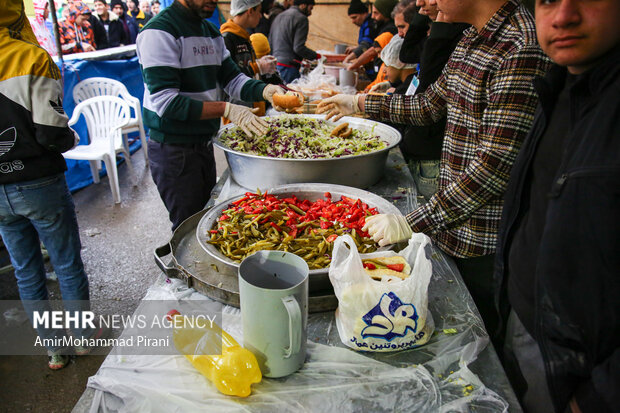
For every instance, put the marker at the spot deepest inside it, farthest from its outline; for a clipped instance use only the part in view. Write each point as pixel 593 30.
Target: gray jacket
pixel 288 35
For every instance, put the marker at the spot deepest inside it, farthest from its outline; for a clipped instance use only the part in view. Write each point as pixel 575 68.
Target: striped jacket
pixel 487 92
pixel 33 125
pixel 184 62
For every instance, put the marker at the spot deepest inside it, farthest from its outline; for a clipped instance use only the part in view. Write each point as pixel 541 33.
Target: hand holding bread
pixel 287 101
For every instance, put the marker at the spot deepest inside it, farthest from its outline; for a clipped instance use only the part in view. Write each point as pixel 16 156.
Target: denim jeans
pixel 289 74
pixel 426 177
pixel 38 211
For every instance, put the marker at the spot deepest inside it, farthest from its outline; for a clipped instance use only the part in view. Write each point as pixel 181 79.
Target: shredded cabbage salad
pixel 297 137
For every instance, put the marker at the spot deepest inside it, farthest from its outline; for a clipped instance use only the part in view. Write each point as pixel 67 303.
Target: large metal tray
pixel 189 261
pixel 319 279
pixel 360 171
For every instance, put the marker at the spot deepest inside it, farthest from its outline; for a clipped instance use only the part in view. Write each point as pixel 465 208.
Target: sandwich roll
pixel 391 267
pixel 289 100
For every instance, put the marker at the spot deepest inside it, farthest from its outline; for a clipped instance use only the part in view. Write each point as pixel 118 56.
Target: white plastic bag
pixel 376 315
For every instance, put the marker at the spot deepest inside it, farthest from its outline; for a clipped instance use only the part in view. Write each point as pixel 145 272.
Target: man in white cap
pixel 245 15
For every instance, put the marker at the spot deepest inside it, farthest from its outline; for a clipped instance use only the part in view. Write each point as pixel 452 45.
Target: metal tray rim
pixel 370 198
pixel 393 139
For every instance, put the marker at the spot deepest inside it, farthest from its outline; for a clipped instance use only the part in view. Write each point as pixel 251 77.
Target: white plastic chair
pixel 105 117
pixel 103 86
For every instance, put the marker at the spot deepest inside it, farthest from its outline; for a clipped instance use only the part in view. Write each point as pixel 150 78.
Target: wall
pixel 329 24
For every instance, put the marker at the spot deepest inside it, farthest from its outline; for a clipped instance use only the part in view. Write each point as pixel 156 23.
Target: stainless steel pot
pixel 360 171
pixel 319 279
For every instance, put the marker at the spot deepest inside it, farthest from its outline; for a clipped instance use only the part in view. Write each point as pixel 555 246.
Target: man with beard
pixel 288 35
pixel 185 65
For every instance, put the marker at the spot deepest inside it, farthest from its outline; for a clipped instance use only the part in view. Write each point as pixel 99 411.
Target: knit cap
pixel 260 44
pixel 117 3
pixel 385 7
pixel 357 7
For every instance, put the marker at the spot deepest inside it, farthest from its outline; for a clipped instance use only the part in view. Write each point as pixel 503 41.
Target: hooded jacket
pixel 116 33
pixel 237 41
pixel 72 36
pixel 44 36
pixel 33 125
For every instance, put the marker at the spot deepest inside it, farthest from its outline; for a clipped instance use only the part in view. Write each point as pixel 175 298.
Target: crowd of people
pixel 510 130
pixel 113 23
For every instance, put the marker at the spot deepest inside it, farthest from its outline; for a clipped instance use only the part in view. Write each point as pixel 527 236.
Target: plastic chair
pixel 103 86
pixel 105 117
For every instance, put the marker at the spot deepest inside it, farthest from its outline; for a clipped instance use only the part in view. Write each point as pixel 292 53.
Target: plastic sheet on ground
pixel 433 378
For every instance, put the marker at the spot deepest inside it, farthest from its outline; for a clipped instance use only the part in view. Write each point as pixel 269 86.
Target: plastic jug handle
pixel 294 325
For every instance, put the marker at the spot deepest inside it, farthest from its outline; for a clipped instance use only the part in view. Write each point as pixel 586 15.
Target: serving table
pixel 457 370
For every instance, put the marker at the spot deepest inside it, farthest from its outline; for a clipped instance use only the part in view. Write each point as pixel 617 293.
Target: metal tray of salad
pixel 301 149
pixel 273 230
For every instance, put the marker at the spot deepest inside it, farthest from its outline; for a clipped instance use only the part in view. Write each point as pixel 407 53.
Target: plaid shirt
pixel 486 89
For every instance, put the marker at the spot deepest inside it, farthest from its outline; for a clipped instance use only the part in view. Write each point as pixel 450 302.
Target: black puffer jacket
pixel 577 287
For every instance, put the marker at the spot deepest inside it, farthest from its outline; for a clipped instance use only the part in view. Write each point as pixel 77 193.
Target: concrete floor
pixel 117 249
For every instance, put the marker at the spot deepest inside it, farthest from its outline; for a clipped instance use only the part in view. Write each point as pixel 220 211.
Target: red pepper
pixel 332 238
pixel 224 217
pixel 396 267
pixel 328 195
pixel 238 201
pixel 325 224
pixel 292 233
pixel 370 265
pixel 213 231
pixel 273 224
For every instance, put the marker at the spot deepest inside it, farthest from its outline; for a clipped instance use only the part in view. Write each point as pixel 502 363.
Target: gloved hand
pixel 387 228
pixel 271 90
pixel 267 65
pixel 246 119
pixel 380 87
pixel 339 106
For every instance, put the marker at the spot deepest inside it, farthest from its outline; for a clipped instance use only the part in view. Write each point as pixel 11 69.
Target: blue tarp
pixel 127 72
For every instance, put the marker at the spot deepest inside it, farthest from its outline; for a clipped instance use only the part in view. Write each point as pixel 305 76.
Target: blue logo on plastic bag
pixel 390 318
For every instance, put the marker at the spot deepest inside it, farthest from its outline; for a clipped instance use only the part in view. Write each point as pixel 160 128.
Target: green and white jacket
pixel 185 62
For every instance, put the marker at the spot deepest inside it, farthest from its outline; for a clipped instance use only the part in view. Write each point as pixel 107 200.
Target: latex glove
pixel 267 65
pixel 271 90
pixel 380 87
pixel 388 228
pixel 246 119
pixel 339 106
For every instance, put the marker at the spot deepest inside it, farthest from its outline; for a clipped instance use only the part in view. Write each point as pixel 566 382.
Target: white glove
pixel 339 106
pixel 381 87
pixel 271 90
pixel 267 65
pixel 246 119
pixel 388 228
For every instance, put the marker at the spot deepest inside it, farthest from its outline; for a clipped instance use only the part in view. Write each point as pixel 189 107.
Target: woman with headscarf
pixel 44 36
pixel 76 34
